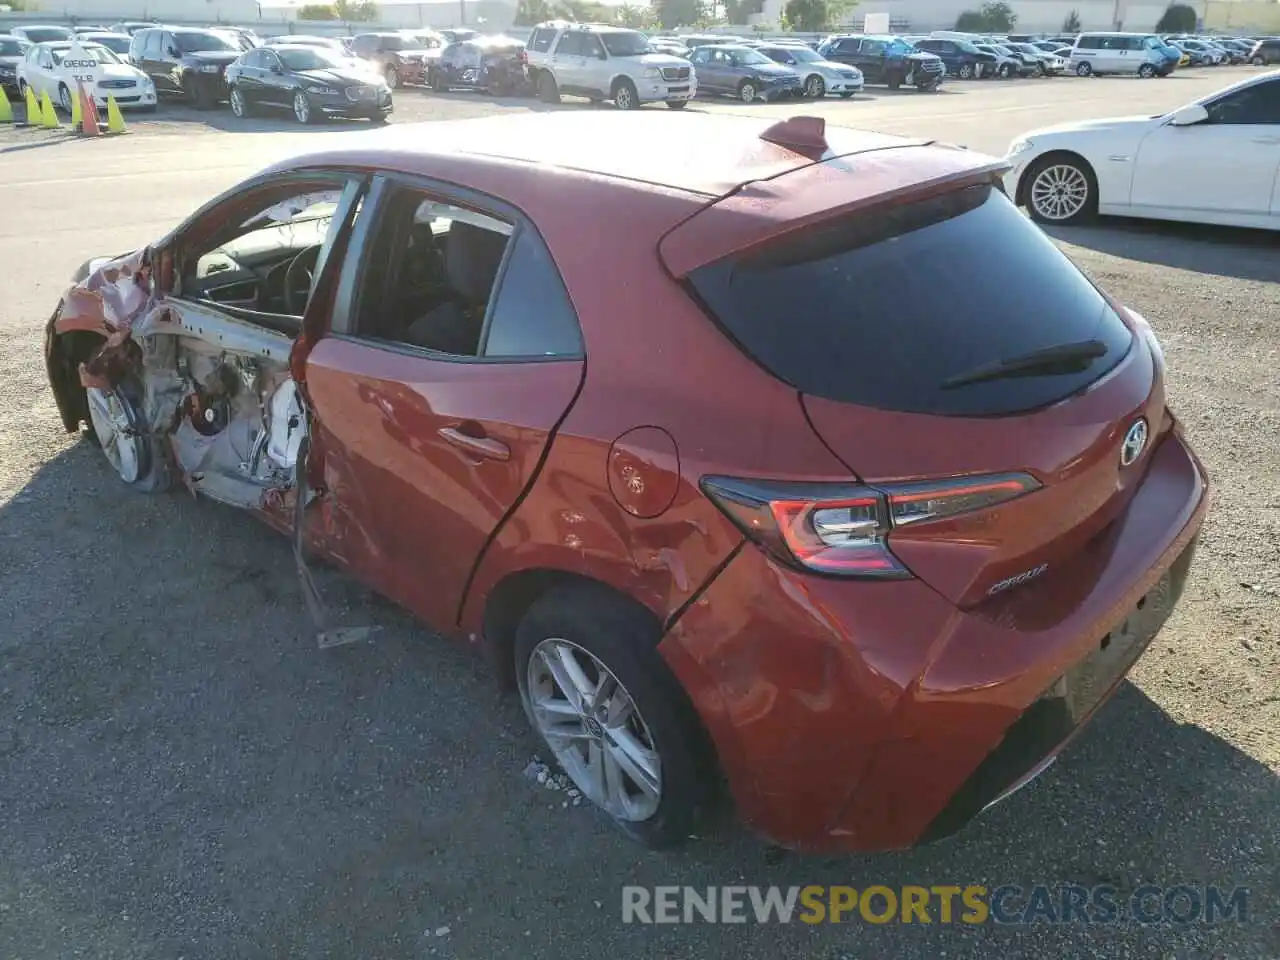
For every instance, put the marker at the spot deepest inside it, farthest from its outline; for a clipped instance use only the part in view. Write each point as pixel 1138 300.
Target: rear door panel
pixel 415 509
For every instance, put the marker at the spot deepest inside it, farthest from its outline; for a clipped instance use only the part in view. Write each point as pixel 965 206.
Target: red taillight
pixel 843 529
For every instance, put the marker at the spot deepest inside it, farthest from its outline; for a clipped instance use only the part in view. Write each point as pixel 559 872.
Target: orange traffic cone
pixel 88 114
pixel 92 125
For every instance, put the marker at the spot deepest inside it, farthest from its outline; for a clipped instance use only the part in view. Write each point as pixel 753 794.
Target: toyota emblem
pixel 1135 441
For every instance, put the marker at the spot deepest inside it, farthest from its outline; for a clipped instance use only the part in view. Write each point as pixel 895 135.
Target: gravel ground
pixel 182 774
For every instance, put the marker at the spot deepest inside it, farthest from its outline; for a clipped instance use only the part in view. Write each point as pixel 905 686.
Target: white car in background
pixel 1216 161
pixel 42 71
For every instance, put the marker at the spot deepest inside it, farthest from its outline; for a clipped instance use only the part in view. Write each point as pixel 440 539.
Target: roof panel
pixel 698 153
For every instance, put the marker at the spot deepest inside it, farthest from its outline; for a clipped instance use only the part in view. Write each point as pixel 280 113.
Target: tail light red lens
pixel 844 529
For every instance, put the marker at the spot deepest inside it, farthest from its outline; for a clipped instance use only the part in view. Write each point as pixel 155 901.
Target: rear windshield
pixel 884 310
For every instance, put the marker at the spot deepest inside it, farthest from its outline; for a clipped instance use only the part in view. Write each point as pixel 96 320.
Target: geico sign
pixel 80 64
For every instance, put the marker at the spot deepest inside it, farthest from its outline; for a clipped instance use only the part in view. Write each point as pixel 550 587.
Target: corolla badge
pixel 1135 441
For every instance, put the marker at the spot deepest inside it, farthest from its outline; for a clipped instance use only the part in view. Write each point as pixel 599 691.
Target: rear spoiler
pixel 833 186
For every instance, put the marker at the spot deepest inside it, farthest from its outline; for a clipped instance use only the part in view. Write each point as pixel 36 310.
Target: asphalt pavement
pixel 182 773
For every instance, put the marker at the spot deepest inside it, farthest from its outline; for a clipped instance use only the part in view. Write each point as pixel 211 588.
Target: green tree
pixel 529 12
pixel 637 18
pixel 356 11
pixel 1072 23
pixel 677 13
pixel 738 12
pixel 807 16
pixel 996 16
pixel 1178 18
pixel 317 11
pixel 838 12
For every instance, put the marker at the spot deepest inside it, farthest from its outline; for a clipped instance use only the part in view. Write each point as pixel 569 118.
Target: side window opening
pixel 460 282
pixel 263 253
pixel 430 275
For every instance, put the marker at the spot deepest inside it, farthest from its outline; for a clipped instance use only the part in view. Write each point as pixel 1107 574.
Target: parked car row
pixel 316 77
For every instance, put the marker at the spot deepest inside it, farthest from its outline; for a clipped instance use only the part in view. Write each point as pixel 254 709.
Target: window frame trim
pixel 346 307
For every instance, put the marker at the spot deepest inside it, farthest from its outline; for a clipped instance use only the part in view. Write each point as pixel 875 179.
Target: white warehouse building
pixel 489 14
pixel 1034 16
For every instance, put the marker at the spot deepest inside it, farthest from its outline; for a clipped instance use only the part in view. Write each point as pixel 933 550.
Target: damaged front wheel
pixel 118 428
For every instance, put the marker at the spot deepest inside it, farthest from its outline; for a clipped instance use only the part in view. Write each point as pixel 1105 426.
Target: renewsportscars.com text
pixel 969 904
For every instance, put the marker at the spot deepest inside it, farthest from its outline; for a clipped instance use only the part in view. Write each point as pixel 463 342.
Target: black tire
pixel 965 72
pixel 196 92
pixel 677 104
pixel 1084 69
pixel 894 80
pixel 64 98
pixel 437 82
pixel 625 640
pixel 246 108
pixel 1006 70
pixel 548 91
pixel 392 76
pixel 1086 213
pixel 625 96
pixel 1146 71
pixel 815 87
pixel 748 91
pixel 1039 69
pixel 1258 62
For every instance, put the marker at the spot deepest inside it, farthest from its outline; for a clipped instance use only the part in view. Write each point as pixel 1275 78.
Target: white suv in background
pixel 601 62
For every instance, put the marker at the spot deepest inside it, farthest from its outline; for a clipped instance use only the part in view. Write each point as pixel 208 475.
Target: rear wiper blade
pixel 1059 359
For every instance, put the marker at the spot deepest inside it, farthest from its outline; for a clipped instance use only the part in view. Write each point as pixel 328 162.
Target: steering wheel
pixel 297 280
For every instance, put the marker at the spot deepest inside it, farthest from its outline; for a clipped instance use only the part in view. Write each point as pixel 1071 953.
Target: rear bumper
pixel 875 716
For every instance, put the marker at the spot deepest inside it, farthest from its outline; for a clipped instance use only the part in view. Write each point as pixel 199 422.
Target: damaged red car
pixel 786 457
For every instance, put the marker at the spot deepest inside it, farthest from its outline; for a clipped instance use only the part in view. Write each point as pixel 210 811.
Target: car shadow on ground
pixel 1223 251
pixel 183 771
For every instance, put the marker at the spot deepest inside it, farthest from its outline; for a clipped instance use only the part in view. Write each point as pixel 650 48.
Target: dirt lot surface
pixel 182 774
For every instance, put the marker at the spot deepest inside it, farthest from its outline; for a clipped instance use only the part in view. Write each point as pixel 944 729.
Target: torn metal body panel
pixel 214 390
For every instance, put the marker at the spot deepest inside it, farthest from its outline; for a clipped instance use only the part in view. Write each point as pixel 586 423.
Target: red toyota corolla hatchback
pixel 786 456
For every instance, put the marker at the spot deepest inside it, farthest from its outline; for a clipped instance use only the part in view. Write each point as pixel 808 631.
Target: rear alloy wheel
pixel 1146 71
pixel 747 92
pixel 815 87
pixel 603 700
pixel 1006 70
pixel 1258 62
pixel 1039 69
pixel 1084 69
pixel 239 106
pixel 966 71
pixel 302 111
pixel 625 96
pixel 392 76
pixel 1061 190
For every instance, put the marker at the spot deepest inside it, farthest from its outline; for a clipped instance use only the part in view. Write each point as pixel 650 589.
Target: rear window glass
pixel 884 310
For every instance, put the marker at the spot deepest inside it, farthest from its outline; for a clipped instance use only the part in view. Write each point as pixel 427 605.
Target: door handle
pixel 476 446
